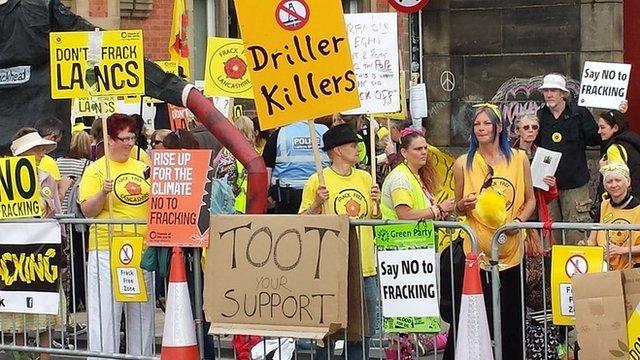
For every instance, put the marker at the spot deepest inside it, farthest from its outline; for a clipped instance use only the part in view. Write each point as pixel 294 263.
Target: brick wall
pixel 98 8
pixel 155 28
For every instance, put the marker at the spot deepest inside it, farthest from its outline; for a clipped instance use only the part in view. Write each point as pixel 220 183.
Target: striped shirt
pixel 72 168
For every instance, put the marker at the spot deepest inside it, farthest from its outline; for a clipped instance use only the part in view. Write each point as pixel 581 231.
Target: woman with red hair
pixel 128 188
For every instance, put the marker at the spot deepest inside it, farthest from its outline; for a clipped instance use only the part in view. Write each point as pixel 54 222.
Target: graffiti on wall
pixel 515 97
pixel 519 96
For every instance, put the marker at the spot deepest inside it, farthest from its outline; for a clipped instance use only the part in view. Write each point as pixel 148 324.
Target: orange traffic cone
pixel 179 336
pixel 473 341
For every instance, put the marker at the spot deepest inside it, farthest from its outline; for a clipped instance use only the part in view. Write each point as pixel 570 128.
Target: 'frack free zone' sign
pixel 96 63
pixel 299 59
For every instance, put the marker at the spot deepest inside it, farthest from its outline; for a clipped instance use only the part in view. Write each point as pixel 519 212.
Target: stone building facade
pixel 492 49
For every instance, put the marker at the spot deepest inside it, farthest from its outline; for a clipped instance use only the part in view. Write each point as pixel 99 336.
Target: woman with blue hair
pixel 493 187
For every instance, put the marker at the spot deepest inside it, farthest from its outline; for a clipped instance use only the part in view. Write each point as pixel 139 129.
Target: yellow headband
pixel 493 107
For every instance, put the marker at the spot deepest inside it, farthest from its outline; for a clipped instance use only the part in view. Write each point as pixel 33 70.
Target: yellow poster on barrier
pixel 96 63
pixel 566 261
pixel 19 188
pixel 226 71
pixel 299 58
pixel 95 106
pixel 126 274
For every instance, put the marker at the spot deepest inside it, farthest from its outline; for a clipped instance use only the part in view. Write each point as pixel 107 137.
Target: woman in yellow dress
pixel 493 187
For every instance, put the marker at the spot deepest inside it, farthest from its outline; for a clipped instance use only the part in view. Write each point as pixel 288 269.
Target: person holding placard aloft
pixel 127 185
pixel 567 128
pixel 350 191
pixel 620 144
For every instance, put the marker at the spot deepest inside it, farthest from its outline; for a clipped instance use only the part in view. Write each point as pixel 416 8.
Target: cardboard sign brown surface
pixel 277 275
pixel 600 314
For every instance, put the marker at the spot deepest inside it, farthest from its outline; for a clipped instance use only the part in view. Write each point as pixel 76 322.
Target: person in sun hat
pixel 27 142
pixel 567 128
pixel 350 191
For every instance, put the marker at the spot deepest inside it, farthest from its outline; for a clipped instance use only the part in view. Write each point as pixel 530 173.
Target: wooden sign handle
pixel 316 155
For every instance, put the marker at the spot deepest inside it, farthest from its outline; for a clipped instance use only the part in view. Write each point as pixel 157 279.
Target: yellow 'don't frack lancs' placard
pixel 299 59
pixel 19 188
pixel 95 106
pixel 126 274
pixel 96 63
pixel 568 260
pixel 226 71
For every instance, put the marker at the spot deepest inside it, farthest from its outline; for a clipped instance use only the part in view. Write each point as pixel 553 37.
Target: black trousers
pixel 288 200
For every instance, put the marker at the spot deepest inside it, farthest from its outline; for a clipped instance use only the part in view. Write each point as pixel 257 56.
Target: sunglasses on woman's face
pixel 527 127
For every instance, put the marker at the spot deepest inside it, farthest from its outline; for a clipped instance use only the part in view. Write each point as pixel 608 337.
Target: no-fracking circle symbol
pixel 292 14
pixel 576 264
pixel 126 254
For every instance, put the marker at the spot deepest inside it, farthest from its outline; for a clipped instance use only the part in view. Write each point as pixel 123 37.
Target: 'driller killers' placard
pixel 299 59
pixel 270 275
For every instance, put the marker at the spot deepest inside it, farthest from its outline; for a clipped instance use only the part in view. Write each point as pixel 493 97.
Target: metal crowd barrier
pixel 64 342
pixel 558 227
pixel 69 339
pixel 380 340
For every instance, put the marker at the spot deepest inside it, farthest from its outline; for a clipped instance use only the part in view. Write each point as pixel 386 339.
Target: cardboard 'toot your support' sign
pixel 299 59
pixel 96 63
pixel 273 275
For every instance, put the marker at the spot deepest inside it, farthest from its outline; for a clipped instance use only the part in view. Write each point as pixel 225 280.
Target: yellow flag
pixel 443 163
pixel 178 44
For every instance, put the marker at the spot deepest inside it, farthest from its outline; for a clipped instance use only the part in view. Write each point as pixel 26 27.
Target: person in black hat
pixel 350 191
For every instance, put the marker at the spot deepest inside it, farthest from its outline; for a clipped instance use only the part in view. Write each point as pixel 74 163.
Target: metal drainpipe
pixel 239 146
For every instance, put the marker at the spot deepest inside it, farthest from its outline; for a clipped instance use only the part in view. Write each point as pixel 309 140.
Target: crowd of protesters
pixel 492 187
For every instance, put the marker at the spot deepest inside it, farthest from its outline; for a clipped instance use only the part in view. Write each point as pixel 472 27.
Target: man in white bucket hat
pixel 569 129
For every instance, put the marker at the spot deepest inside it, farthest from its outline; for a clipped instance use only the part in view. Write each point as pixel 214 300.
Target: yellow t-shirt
pixel 612 215
pixel 349 195
pixel 508 180
pixel 616 153
pixel 49 165
pixel 397 190
pixel 130 198
pixel 144 157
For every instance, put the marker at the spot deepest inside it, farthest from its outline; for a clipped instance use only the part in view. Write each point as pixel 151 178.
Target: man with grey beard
pixel 567 128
